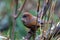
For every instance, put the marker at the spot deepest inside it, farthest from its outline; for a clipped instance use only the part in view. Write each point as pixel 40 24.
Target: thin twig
pixel 38 5
pixel 21 9
pixel 13 19
pixel 44 9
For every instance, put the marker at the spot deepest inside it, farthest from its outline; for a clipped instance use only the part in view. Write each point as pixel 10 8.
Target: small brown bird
pixel 30 21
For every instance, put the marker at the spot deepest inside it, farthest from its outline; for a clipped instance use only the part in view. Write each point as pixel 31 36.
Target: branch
pixel 44 9
pixel 38 5
pixel 13 19
pixel 20 10
pixel 46 6
pixel 57 8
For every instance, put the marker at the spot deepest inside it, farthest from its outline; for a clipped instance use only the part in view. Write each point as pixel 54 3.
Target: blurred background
pixel 6 10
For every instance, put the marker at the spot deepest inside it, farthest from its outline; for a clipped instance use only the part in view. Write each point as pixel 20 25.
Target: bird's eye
pixel 24 16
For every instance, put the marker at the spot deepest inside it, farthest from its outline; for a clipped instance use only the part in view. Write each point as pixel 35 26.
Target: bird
pixel 30 21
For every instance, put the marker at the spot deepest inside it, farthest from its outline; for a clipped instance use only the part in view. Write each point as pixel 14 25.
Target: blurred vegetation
pixel 20 29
